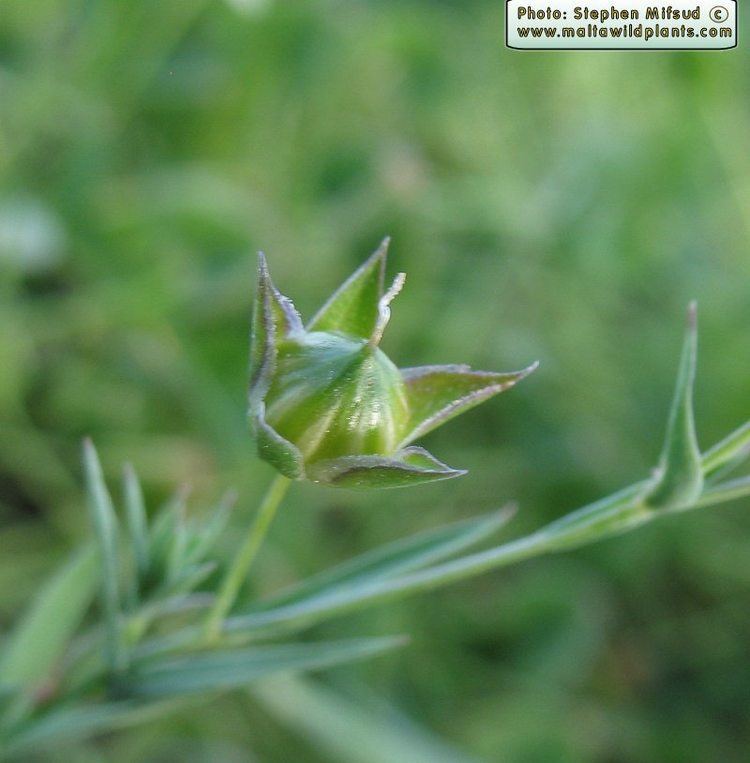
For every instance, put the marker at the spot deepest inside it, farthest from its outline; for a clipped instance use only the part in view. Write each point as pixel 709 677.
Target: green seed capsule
pixel 336 396
pixel 327 404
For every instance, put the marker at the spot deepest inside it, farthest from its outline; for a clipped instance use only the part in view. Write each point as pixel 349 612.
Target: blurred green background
pixel 553 206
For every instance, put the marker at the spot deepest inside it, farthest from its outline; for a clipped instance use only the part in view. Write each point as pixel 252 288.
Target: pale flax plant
pixel 326 405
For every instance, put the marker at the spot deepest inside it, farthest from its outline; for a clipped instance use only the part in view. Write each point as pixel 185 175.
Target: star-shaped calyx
pixel 327 404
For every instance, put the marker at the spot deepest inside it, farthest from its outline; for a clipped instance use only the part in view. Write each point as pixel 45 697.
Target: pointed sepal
pixel 283 455
pixel 410 466
pixel 436 394
pixel 679 476
pixel 274 318
pixel 354 307
pixel 384 309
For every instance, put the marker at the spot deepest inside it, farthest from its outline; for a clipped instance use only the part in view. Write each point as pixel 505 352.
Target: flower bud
pixel 327 404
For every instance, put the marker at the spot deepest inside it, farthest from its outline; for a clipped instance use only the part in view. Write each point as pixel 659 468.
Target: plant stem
pixel 732 450
pixel 245 556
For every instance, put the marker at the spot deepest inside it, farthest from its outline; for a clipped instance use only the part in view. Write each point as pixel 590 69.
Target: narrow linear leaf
pixel 402 555
pixel 616 513
pixel 165 528
pixel 191 577
pixel 301 614
pixel 78 722
pixel 219 671
pixel 135 510
pixel 170 643
pixel 177 550
pixel 680 472
pixel 178 604
pixel 41 637
pixel 202 543
pixel 105 527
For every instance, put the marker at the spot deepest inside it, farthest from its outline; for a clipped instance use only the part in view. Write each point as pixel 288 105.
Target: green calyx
pixel 333 396
pixel 327 404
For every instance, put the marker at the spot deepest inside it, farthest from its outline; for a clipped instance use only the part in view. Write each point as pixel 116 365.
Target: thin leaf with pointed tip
pixel 137 523
pixel 81 721
pixel 680 472
pixel 222 670
pixel 438 393
pixel 165 527
pixel 105 526
pixel 397 557
pixel 176 553
pixel 210 532
pixel 354 307
pixel 191 577
pixel 47 628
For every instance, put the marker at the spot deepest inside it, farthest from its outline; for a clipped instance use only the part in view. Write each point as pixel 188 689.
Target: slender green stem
pixel 734 447
pixel 245 557
pixel 726 491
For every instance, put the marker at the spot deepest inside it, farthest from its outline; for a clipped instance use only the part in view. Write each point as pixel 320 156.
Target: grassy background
pixel 559 206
